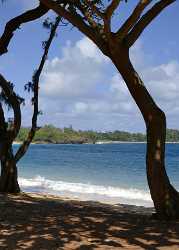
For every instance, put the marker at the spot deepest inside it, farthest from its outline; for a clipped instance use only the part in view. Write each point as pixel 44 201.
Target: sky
pixel 79 85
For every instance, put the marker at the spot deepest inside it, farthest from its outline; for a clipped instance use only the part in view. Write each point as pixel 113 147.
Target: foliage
pixel 51 134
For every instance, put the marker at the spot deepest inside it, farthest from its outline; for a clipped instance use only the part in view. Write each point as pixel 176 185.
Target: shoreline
pixel 36 221
pixel 108 194
pixel 97 143
pixel 102 203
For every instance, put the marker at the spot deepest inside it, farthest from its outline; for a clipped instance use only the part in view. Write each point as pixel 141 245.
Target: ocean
pixel 113 173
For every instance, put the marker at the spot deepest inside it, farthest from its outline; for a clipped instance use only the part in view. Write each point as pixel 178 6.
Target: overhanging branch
pixel 111 8
pixel 133 18
pixel 77 21
pixel 15 23
pixel 145 20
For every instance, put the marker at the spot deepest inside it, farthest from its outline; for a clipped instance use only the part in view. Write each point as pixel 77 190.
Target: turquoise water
pixel 108 172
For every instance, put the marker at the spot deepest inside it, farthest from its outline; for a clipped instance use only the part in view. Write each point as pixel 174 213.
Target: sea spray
pixel 41 184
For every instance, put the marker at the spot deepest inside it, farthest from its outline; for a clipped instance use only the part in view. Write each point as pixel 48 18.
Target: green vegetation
pixel 51 134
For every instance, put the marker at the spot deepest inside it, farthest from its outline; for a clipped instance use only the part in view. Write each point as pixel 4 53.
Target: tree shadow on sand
pixel 28 222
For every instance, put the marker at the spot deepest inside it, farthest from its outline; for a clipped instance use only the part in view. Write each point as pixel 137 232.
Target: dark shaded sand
pixel 29 221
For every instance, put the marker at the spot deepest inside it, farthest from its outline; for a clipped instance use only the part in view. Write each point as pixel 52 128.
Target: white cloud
pixel 137 55
pixel 163 81
pixel 82 88
pixel 76 73
pixel 118 88
pixel 89 50
pixel 80 107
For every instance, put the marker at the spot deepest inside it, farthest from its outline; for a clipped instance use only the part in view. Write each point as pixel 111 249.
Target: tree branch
pixel 15 23
pixel 94 8
pixel 2 120
pixel 78 22
pixel 87 14
pixel 3 132
pixel 133 18
pixel 145 20
pixel 25 145
pixel 111 8
pixel 75 19
pixel 14 101
pixel 108 14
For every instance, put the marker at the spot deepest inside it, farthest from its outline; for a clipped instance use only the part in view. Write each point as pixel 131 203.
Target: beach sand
pixel 34 221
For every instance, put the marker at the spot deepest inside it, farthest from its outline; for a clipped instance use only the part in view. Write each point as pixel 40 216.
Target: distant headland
pixel 50 134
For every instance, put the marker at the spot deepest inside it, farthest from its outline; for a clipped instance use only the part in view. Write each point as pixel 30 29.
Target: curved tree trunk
pixel 8 179
pixel 164 196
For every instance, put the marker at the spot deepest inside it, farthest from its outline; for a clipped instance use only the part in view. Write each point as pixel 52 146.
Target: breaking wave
pixel 43 185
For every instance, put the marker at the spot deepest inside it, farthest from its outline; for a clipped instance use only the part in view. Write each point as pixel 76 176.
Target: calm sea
pixel 112 173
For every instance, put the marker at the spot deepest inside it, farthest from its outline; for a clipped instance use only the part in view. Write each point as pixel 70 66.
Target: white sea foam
pixel 42 184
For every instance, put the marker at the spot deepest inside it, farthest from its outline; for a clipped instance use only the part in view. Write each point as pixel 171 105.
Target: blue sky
pixel 79 86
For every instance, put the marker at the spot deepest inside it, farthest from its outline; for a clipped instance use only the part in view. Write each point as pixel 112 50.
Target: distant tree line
pixel 52 134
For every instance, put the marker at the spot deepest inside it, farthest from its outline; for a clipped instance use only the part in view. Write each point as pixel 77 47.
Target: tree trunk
pixel 8 181
pixel 164 196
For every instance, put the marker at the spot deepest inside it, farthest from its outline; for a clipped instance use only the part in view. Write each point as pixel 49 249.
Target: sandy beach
pixel 36 221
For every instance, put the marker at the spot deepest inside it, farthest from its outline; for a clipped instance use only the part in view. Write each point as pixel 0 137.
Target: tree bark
pixel 164 196
pixel 8 179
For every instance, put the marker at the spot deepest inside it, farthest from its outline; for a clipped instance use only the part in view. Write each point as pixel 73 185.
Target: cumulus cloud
pixel 76 73
pixel 162 82
pixel 81 88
